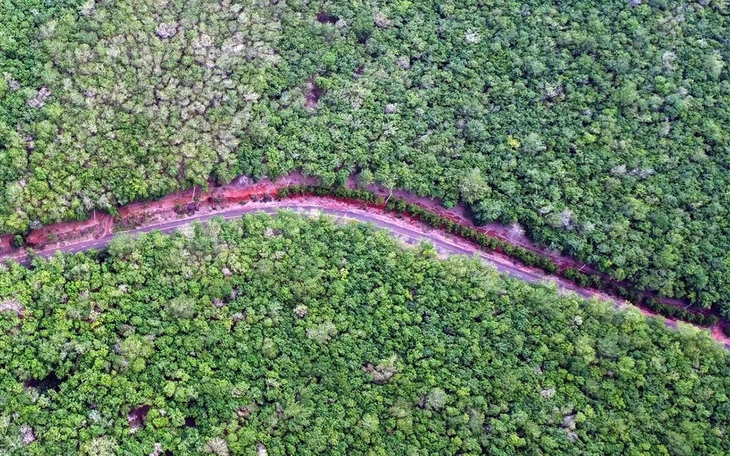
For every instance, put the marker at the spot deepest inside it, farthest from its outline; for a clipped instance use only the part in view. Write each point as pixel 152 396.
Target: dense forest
pixel 600 126
pixel 288 335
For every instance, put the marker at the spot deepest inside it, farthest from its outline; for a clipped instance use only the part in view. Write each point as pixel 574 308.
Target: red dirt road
pixel 180 209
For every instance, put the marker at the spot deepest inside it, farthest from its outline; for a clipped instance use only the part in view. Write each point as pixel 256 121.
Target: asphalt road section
pixel 409 232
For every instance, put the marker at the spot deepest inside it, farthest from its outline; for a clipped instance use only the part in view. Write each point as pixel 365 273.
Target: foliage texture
pixel 288 335
pixel 601 127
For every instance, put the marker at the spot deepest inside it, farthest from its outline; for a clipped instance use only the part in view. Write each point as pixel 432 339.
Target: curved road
pixel 406 230
pixel 411 233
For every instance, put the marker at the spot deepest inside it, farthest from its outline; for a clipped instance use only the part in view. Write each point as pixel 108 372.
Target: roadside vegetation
pixel 288 335
pixel 601 127
pixel 619 290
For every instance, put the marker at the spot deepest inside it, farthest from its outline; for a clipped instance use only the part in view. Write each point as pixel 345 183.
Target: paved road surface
pixel 409 232
pixel 412 234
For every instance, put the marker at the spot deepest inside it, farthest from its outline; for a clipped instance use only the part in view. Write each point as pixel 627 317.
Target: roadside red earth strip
pixel 179 209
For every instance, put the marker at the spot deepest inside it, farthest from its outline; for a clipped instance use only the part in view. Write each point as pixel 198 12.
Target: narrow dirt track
pixel 405 229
